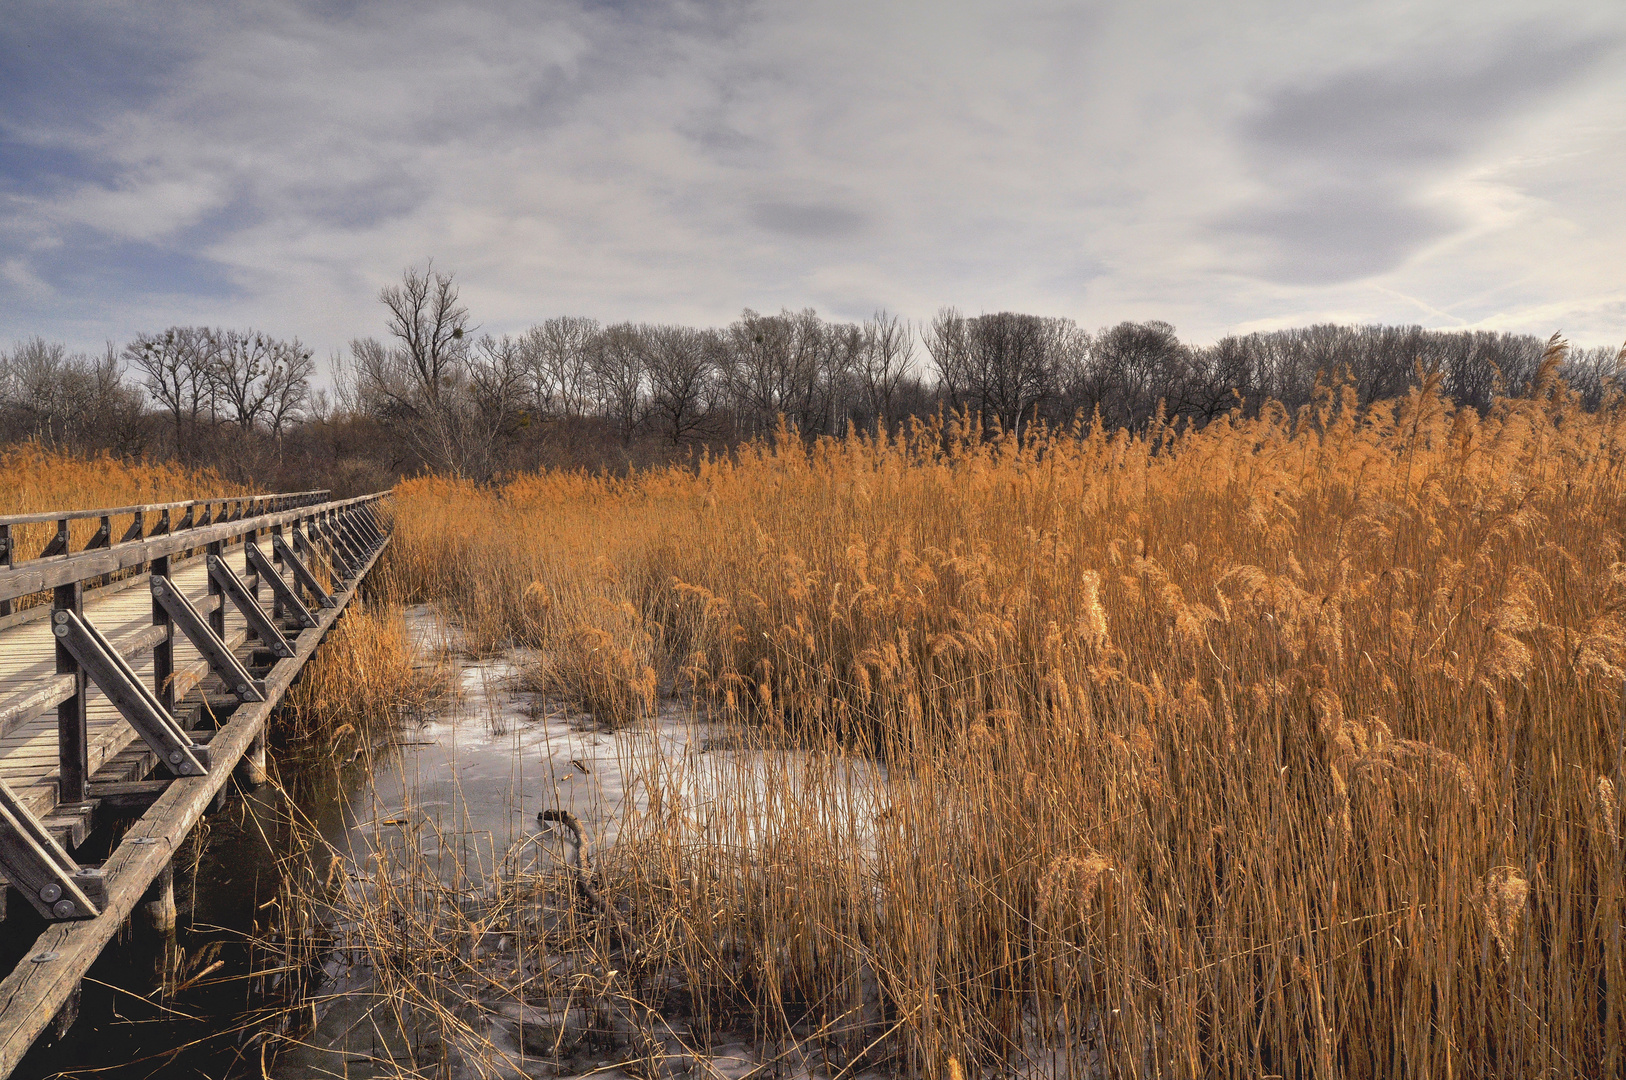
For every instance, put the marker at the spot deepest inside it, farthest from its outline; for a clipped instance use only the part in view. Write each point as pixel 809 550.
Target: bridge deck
pixel 30 688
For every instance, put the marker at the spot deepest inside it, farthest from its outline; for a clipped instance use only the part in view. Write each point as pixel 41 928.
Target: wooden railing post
pixel 73 739
pixel 163 653
pixel 316 531
pixel 276 561
pixel 6 606
pixel 217 617
pixel 254 586
pixel 102 538
pixel 136 532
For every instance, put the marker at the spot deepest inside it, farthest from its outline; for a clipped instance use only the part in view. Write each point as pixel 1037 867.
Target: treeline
pixel 480 405
pixel 239 401
pixel 434 393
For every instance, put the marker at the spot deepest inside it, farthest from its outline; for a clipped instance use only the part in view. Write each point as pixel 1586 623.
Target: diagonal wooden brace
pixel 358 534
pixel 134 701
pixel 202 636
pixel 309 541
pixel 258 621
pixel 363 521
pixel 37 867
pixel 301 573
pixel 267 570
pixel 345 557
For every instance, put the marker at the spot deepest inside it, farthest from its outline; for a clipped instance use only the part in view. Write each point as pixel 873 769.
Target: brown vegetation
pixel 1285 746
pixel 40 480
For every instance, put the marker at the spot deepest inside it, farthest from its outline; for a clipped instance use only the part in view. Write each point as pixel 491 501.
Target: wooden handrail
pixel 46 517
pixel 36 575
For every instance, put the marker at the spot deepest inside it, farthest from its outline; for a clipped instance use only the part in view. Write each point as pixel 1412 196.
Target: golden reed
pixel 1288 746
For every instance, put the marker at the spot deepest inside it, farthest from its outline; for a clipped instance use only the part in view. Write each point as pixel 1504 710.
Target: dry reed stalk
pixel 37 480
pixel 1167 650
pixel 366 680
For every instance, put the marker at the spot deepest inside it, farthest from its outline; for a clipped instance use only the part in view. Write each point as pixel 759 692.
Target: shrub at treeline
pixel 1285 745
pixel 435 394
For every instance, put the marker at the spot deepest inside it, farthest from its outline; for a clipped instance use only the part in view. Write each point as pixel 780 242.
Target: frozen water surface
pixel 473 776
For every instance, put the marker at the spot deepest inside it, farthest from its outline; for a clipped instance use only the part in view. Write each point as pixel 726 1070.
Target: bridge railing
pixel 76 530
pixel 310 551
pixel 314 548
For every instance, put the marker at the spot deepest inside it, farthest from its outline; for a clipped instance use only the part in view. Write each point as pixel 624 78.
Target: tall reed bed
pixel 34 479
pixel 364 682
pixel 1290 746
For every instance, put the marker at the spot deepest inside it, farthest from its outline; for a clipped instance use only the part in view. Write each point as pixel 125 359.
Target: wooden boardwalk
pixel 30 689
pixel 136 731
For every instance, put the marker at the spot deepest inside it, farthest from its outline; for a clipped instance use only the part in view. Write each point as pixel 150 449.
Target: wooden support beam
pixel 250 772
pixel 163 653
pixel 287 600
pixel 135 702
pixel 7 547
pixel 103 537
pixel 232 587
pixel 128 797
pixel 59 542
pixel 302 574
pixel 221 660
pixel 303 543
pixel 72 734
pixel 67 1015
pixel 35 863
pixel 217 617
pixel 70 825
pixel 158 901
pixel 276 562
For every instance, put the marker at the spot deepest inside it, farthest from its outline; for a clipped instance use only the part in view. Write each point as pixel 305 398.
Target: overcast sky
pixel 1224 167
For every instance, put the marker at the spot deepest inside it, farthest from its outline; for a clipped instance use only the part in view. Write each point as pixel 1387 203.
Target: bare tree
pixel 497 380
pixel 1003 366
pixel 74 400
pixel 430 324
pixel 947 343
pixel 262 380
pixel 619 377
pixel 176 365
pixel 885 358
pixel 835 390
pixel 421 384
pixel 680 362
pixel 1137 364
pixel 1594 373
pixel 559 359
pixel 289 391
pixel 787 365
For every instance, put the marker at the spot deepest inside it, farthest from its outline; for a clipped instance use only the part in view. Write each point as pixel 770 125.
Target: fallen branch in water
pixel 585 885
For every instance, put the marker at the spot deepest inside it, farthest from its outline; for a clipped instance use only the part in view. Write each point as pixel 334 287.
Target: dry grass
pixel 363 683
pixel 37 480
pixel 1286 747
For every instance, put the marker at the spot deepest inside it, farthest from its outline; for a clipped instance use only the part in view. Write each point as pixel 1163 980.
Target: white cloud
pixel 1221 167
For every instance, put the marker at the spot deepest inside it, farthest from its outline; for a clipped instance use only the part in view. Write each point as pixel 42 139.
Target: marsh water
pixel 465 783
